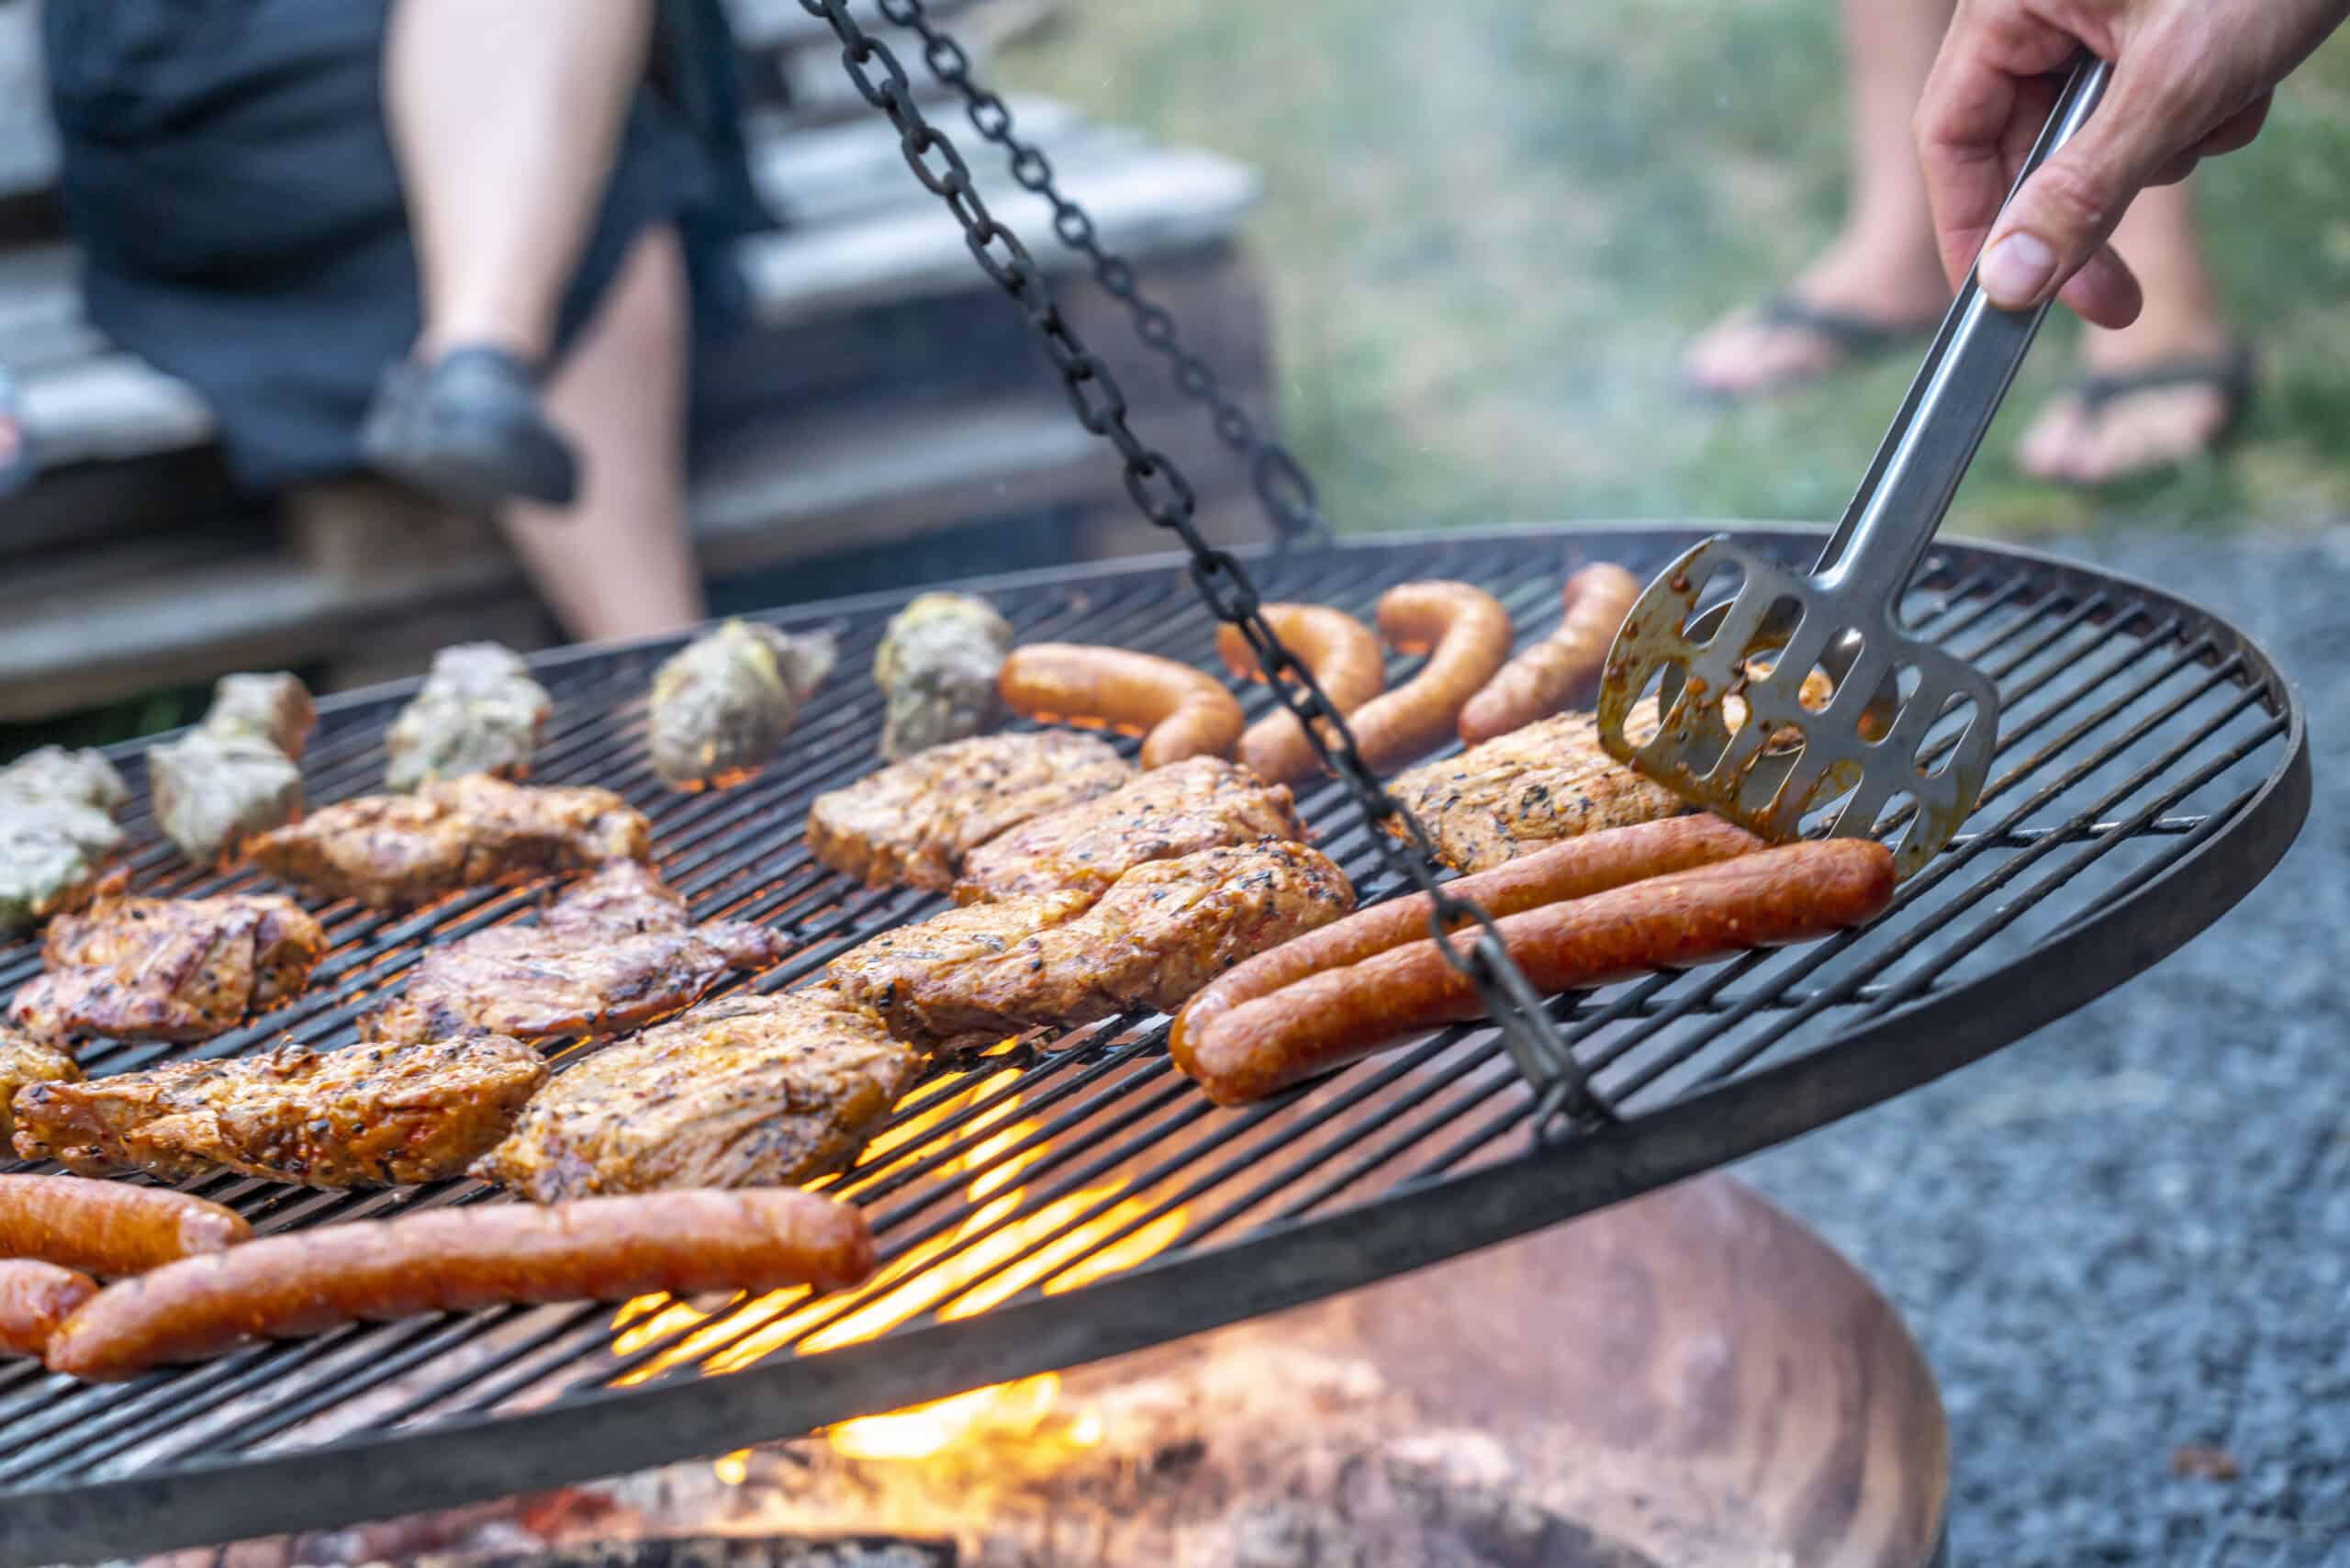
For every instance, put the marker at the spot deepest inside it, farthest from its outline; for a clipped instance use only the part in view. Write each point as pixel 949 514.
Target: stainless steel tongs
pixel 1795 693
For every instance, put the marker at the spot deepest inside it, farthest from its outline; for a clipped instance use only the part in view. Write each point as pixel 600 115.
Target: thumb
pixel 2057 224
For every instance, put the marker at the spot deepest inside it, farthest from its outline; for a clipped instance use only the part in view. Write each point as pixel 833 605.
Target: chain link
pixel 1163 495
pixel 1283 489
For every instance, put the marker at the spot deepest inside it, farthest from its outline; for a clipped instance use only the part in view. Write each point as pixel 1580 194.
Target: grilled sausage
pixel 1467 636
pixel 1550 675
pixel 1179 711
pixel 1573 869
pixel 459 1260
pixel 1790 894
pixel 1346 665
pixel 109 1228
pixel 35 1298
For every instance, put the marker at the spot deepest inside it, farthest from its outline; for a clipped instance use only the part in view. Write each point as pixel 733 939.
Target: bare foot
pixel 1879 286
pixel 2134 433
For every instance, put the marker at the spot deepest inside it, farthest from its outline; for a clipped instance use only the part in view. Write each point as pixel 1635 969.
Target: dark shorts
pixel 228 174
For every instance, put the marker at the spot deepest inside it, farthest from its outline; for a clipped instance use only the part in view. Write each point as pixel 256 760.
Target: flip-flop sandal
pixel 1857 339
pixel 2234 375
pixel 468 429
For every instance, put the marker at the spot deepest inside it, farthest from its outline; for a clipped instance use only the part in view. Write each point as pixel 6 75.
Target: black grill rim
pixel 1281 1263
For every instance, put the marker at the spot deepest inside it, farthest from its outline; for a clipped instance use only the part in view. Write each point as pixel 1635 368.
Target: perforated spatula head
pixel 1793 695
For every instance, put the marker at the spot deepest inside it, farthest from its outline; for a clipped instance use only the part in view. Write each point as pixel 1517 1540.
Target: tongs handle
pixel 1967 371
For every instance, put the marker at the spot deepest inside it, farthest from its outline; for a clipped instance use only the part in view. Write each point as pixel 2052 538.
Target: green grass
pixel 1492 226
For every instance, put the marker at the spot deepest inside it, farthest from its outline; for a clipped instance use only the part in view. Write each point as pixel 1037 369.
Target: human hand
pixel 2191 78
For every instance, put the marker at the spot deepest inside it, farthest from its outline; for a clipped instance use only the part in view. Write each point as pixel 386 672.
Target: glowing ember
pixel 1002 1247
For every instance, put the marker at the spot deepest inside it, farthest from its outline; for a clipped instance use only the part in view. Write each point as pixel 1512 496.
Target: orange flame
pixel 981 1273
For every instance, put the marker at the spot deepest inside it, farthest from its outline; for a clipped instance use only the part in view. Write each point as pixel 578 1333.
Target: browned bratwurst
pixel 1792 894
pixel 109 1228
pixel 1573 870
pixel 1178 711
pixel 1346 665
pixel 34 1299
pixel 1548 676
pixel 1468 637
pixel 460 1260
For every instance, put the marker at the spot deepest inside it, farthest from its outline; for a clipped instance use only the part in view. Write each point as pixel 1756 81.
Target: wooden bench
pixel 887 392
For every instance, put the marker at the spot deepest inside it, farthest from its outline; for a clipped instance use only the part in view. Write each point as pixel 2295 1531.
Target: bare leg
pixel 2157 429
pixel 1882 267
pixel 504 117
pixel 618 563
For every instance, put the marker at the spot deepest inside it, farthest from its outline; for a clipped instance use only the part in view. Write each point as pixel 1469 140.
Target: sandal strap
pixel 1857 336
pixel 2231 375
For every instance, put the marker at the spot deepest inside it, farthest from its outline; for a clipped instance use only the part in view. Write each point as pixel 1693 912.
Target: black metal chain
pixel 1165 497
pixel 1283 488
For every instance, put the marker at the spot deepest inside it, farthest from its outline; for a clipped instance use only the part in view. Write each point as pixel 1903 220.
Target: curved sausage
pixel 1575 868
pixel 304 1282
pixel 1550 675
pixel 1790 894
pixel 1346 665
pixel 34 1299
pixel 109 1228
pixel 1468 637
pixel 1179 711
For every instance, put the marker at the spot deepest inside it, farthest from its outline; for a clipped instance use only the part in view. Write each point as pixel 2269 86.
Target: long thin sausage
pixel 1547 678
pixel 109 1228
pixel 1178 711
pixel 1791 894
pixel 1345 662
pixel 1467 633
pixel 459 1260
pixel 35 1298
pixel 1576 869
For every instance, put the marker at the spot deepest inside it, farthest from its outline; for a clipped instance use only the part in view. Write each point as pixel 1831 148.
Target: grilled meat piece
pixel 274 708
pixel 1180 809
pixel 915 820
pixel 167 968
pixel 612 955
pixel 479 711
pixel 725 700
pixel 745 1091
pixel 24 1061
pixel 1162 931
pixel 938 665
pixel 57 828
pixel 370 1115
pixel 395 851
pixel 234 775
pixel 1531 788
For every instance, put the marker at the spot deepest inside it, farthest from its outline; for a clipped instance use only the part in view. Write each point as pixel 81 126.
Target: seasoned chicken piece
pixel 1161 932
pixel 373 1116
pixel 479 711
pixel 725 701
pixel 395 851
pixel 167 968
pixel 24 1061
pixel 936 666
pixel 57 828
pixel 1531 788
pixel 745 1091
pixel 610 955
pixel 274 708
pixel 915 820
pixel 1177 810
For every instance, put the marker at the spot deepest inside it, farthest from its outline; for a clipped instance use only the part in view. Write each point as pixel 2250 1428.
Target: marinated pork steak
pixel 370 1115
pixel 24 1061
pixel 724 703
pixel 915 820
pixel 1530 789
pixel 167 968
pixel 1162 931
pixel 395 851
pixel 1180 809
pixel 744 1092
pixel 612 954
pixel 479 711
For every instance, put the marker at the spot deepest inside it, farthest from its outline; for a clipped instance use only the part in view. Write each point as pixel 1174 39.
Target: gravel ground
pixel 2130 1234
